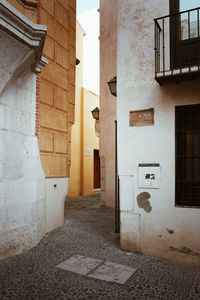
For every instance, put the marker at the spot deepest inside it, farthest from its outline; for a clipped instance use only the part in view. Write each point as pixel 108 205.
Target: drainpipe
pixel 117 215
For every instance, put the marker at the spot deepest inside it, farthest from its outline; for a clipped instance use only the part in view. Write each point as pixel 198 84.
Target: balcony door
pixel 185 33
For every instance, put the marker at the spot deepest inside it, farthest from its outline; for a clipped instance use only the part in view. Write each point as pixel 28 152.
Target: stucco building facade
pixel 108 69
pixel 85 143
pixel 158 129
pixel 37 112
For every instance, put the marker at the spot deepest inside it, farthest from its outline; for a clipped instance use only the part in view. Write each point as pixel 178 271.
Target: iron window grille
pixel 187 127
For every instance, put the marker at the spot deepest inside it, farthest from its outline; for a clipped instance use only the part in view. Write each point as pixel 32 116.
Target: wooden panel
pixel 56 75
pixel 69 152
pixel 69 132
pixel 143 117
pixel 49 48
pixel 46 93
pixel 46 140
pixel 62 16
pixel 60 166
pixel 62 57
pixel 56 91
pixel 72 75
pixel 71 94
pixel 72 58
pixel 61 98
pixel 71 113
pixel 72 36
pixel 73 4
pixel 48 5
pixel 52 118
pixel 72 18
pixel 60 143
pixel 54 30
pixel 47 164
pixel 65 3
pixel 54 166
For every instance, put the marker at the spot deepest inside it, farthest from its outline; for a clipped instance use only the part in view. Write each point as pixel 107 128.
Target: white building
pixel 158 130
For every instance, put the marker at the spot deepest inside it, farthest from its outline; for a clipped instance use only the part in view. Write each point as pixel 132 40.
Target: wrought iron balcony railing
pixel 177 46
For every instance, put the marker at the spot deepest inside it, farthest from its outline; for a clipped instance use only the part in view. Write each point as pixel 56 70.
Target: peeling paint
pixel 143 201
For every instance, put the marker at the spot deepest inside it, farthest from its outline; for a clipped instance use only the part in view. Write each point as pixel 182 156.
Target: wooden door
pixel 96 169
pixel 184 34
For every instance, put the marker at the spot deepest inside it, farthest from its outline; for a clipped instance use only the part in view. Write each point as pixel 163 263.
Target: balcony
pixel 177 46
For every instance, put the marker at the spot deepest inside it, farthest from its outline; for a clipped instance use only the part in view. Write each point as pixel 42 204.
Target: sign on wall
pixel 143 117
pixel 149 176
pixel 88 152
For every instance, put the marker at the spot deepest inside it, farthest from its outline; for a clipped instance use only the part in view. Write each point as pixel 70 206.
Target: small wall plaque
pixel 149 176
pixel 88 152
pixel 143 117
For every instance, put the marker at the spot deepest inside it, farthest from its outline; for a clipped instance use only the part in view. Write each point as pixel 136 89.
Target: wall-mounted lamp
pixel 113 86
pixel 77 61
pixel 95 113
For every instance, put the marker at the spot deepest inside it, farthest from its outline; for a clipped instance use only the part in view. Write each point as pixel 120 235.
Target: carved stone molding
pixel 21 44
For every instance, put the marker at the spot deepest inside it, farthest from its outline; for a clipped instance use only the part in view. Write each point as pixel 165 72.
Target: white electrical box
pixel 149 176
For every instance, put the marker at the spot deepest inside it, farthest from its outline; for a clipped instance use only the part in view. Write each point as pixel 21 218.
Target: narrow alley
pixel 89 232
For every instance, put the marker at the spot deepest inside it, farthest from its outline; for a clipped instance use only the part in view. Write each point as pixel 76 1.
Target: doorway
pixel 97 183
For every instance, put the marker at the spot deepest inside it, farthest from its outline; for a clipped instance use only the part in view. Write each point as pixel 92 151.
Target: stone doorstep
pixel 97 269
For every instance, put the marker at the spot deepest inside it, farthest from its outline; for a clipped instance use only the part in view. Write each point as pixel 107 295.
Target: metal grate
pixel 188 155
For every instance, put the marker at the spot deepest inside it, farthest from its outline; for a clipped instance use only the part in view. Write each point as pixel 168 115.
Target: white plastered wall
pixel 150 232
pixel 56 193
pixel 22 182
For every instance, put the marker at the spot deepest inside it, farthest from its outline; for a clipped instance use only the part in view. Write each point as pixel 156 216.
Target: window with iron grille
pixel 187 155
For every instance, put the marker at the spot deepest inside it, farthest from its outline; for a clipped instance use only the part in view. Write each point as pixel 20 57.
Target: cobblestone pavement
pixel 89 231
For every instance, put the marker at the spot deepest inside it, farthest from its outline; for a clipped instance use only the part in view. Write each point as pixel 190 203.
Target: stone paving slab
pixel 97 269
pixel 80 264
pixel 113 272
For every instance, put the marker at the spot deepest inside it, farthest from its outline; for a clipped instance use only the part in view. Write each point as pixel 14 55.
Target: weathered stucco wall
pixel 152 225
pixel 22 182
pixel 108 69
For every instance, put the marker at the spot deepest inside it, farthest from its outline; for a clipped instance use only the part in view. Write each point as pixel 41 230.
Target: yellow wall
pixel 90 140
pixel 83 132
pixel 75 170
pixel 57 86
